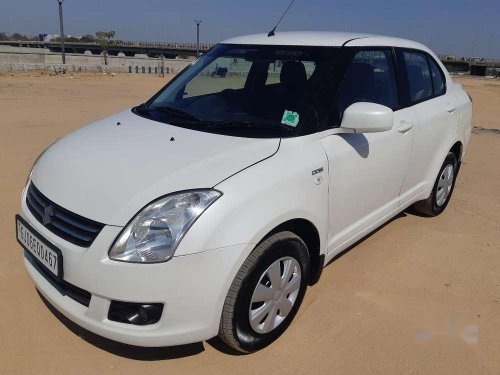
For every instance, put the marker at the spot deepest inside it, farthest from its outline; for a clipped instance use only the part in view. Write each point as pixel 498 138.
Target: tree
pixel 104 40
pixel 17 36
pixel 87 38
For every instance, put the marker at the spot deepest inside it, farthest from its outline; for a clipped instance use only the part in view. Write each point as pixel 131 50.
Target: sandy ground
pixel 418 296
pixel 487 106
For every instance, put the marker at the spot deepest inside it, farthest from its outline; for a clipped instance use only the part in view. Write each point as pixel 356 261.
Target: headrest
pixel 293 74
pixel 357 85
pixel 358 73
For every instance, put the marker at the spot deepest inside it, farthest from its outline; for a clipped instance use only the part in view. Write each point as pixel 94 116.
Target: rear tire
pixel 442 189
pixel 266 293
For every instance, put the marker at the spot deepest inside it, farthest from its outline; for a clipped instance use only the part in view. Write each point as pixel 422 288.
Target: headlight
pixel 155 232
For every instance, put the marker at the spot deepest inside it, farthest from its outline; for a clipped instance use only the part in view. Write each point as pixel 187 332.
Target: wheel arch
pixel 458 149
pixel 308 232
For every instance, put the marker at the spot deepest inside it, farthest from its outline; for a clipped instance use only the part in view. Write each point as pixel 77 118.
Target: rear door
pixel 366 171
pixel 434 112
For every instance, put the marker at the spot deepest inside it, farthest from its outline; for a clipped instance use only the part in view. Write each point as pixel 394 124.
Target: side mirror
pixel 365 117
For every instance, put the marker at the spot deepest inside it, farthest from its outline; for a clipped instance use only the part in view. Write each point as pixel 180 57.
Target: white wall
pixel 25 59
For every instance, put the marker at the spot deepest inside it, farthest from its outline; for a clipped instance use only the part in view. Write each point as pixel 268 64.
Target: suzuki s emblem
pixel 48 212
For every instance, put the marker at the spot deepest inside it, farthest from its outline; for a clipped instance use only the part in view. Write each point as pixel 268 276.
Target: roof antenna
pixel 271 33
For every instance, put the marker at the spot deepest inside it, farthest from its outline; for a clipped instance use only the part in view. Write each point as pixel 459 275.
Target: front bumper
pixel 192 288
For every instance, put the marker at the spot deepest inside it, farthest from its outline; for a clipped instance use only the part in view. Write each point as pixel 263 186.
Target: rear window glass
pixel 437 78
pixel 419 76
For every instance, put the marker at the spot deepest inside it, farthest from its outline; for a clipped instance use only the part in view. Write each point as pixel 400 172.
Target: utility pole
pixel 430 40
pixel 62 30
pixel 472 49
pixel 490 47
pixel 197 37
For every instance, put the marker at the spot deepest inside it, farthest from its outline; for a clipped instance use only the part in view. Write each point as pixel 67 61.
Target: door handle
pixel 451 108
pixel 404 126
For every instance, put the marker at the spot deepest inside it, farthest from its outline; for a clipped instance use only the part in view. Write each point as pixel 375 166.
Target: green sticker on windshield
pixel 290 118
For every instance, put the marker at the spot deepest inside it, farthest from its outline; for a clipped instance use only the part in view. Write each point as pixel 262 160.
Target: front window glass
pixel 246 90
pixel 369 77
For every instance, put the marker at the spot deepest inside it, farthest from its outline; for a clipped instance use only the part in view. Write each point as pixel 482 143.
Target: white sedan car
pixel 210 208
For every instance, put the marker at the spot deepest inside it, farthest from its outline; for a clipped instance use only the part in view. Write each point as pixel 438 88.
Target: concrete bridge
pixel 477 68
pixel 174 50
pixel 128 48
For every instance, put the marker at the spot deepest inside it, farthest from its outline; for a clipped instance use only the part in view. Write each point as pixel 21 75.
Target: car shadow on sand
pixel 137 352
pixel 173 352
pixel 124 350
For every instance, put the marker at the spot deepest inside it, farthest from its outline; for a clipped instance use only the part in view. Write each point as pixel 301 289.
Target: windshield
pixel 246 90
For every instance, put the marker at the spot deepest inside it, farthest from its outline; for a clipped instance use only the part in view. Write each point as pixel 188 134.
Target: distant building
pixel 45 37
pixel 51 37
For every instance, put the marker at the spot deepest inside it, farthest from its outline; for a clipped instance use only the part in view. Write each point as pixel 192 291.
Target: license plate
pixel 46 254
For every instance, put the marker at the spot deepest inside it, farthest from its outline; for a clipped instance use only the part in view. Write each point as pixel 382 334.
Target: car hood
pixel 108 172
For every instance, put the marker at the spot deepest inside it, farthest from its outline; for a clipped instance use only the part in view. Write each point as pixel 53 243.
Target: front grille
pixel 66 289
pixel 72 227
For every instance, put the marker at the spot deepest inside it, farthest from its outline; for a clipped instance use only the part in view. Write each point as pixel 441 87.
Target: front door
pixel 366 171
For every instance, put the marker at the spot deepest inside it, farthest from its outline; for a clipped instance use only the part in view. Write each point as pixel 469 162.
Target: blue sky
pixel 448 26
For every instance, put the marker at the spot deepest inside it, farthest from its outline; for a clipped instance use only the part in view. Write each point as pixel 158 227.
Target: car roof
pixel 325 39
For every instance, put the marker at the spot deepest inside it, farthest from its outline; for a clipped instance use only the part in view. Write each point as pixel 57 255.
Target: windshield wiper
pixel 169 110
pixel 176 112
pixel 238 124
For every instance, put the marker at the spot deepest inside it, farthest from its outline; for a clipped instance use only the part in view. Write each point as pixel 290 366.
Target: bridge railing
pixel 118 43
pixel 187 46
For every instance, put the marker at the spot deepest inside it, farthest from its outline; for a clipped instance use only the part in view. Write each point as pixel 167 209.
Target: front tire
pixel 266 293
pixel 442 189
